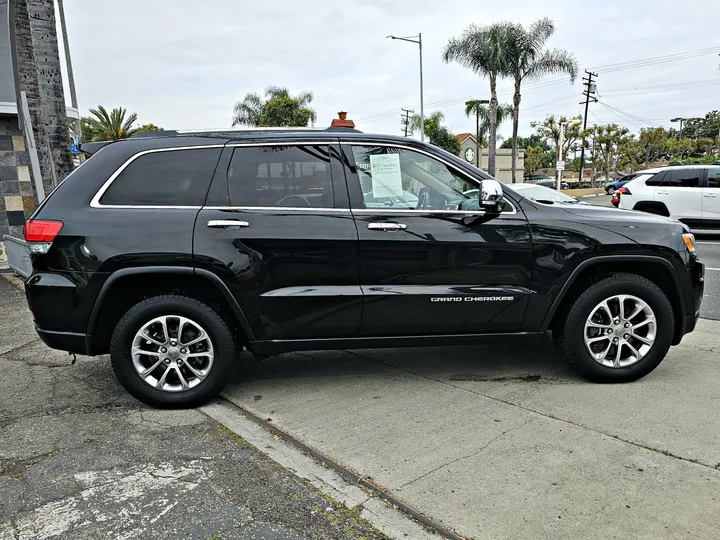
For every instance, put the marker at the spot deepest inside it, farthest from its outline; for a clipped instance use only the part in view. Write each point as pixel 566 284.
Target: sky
pixel 182 64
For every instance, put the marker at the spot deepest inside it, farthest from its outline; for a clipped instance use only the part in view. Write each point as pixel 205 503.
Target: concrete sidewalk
pixel 81 459
pixel 506 442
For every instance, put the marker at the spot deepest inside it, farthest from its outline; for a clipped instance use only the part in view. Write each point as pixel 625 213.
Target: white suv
pixel 689 193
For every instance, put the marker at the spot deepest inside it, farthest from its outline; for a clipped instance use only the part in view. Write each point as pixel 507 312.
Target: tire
pixel 610 190
pixel 570 333
pixel 216 369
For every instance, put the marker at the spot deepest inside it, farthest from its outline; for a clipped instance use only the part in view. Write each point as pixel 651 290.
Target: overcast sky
pixel 183 64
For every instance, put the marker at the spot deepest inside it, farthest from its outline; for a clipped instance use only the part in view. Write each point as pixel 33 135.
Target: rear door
pixel 277 229
pixel 681 192
pixel 711 199
pixel 430 261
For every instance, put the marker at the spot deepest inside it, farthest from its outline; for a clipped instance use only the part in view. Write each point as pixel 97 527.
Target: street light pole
pixel 418 42
pixel 681 120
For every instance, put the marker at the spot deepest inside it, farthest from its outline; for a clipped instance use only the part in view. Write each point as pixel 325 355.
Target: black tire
pixel 610 190
pixel 569 333
pixel 224 348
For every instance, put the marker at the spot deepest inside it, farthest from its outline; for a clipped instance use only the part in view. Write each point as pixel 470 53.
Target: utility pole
pixel 590 88
pixel 405 121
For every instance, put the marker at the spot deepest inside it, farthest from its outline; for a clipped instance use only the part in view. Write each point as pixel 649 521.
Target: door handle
pixel 227 224
pixel 710 195
pixel 387 226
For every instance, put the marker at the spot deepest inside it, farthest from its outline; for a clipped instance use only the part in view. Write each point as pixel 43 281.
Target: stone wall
pixel 17 196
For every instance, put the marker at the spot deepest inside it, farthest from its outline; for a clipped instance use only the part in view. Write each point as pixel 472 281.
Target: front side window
pixel 284 176
pixel 714 178
pixel 396 178
pixel 166 178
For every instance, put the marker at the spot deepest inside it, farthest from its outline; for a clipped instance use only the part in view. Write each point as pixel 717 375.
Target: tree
pixel 608 139
pixel 534 157
pixel 436 133
pixel 250 111
pixel 527 60
pixel 476 109
pixel 483 50
pixel 654 143
pixel 549 129
pixel 146 128
pixel 108 126
pixel 708 127
pixel 631 154
pixel 526 142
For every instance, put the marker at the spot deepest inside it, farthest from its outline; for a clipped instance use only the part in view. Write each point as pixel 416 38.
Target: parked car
pixel 174 253
pixel 689 193
pixel 544 194
pixel 552 184
pixel 612 187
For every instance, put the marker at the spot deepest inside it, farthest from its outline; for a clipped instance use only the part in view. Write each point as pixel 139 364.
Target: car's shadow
pixel 495 363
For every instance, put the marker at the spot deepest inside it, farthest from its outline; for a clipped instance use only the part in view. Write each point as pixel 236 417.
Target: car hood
pixel 639 227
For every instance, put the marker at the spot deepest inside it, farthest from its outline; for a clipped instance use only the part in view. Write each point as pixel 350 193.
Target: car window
pixel 682 178
pixel 286 176
pixel 408 180
pixel 654 180
pixel 714 177
pixel 167 178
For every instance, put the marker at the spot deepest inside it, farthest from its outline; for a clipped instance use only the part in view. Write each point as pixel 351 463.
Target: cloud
pixel 183 64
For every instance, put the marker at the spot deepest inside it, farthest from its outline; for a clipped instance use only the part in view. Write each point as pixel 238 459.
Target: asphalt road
pixel 708 247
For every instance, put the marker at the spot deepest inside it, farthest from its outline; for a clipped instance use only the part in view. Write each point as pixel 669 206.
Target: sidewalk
pixel 81 459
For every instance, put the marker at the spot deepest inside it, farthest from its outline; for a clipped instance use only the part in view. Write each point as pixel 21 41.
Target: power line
pixel 609 68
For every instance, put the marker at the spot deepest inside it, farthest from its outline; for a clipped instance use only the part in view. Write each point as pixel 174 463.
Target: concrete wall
pixel 17 198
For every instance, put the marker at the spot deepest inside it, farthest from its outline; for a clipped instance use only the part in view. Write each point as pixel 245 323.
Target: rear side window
pixel 166 178
pixel 656 179
pixel 284 176
pixel 682 178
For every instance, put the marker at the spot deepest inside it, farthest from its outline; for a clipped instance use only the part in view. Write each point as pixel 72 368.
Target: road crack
pixel 473 454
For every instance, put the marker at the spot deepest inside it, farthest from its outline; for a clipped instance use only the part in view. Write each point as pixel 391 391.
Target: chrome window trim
pixel 95 202
pixel 440 159
pixel 277 208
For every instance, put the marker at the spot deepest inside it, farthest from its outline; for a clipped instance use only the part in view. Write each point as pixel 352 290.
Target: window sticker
pixel 386 175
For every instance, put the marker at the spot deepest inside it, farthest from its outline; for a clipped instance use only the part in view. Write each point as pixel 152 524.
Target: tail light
pixel 40 234
pixel 624 190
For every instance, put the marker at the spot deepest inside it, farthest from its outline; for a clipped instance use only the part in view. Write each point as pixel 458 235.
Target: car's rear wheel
pixel 617 330
pixel 172 351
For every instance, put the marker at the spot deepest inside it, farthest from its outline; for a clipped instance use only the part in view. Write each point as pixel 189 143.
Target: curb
pixel 596 195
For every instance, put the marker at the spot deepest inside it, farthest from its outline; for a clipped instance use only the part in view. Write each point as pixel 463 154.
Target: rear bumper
pixel 64 341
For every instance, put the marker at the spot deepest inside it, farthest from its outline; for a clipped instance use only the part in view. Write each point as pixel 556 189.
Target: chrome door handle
pixel 387 226
pixel 227 223
pixel 710 195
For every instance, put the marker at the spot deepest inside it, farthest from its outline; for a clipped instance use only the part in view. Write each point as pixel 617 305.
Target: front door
pixel 277 229
pixel 711 199
pixel 430 261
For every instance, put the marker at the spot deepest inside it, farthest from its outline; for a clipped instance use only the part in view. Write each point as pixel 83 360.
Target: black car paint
pixel 304 280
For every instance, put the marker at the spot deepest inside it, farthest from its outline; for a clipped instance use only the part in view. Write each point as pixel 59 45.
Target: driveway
pixel 506 442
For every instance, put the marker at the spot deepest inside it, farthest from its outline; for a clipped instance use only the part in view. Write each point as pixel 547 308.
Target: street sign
pixel 74 149
pixel 560 165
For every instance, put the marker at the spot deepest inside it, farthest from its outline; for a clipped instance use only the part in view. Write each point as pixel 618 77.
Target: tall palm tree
pixel 104 126
pixel 483 49
pixel 476 109
pixel 527 60
pixel 432 122
pixel 249 111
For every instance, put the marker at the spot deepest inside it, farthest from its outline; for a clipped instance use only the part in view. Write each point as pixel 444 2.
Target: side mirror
pixel 492 198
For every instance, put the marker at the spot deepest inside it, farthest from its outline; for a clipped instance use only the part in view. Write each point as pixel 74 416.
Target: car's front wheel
pixel 617 330
pixel 172 352
pixel 610 190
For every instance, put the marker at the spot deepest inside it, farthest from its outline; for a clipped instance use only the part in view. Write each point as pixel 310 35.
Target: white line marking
pixel 714 269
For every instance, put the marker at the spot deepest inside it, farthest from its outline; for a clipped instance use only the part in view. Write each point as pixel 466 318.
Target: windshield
pixel 540 193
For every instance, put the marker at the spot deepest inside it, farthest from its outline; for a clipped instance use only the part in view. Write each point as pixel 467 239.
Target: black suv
pixel 173 253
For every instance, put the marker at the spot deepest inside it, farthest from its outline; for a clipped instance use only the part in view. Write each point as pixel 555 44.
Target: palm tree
pixel 527 59
pixel 483 49
pixel 104 126
pixel 475 108
pixel 432 122
pixel 248 112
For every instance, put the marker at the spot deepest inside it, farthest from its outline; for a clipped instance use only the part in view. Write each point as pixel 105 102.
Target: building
pixel 503 158
pixel 18 195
